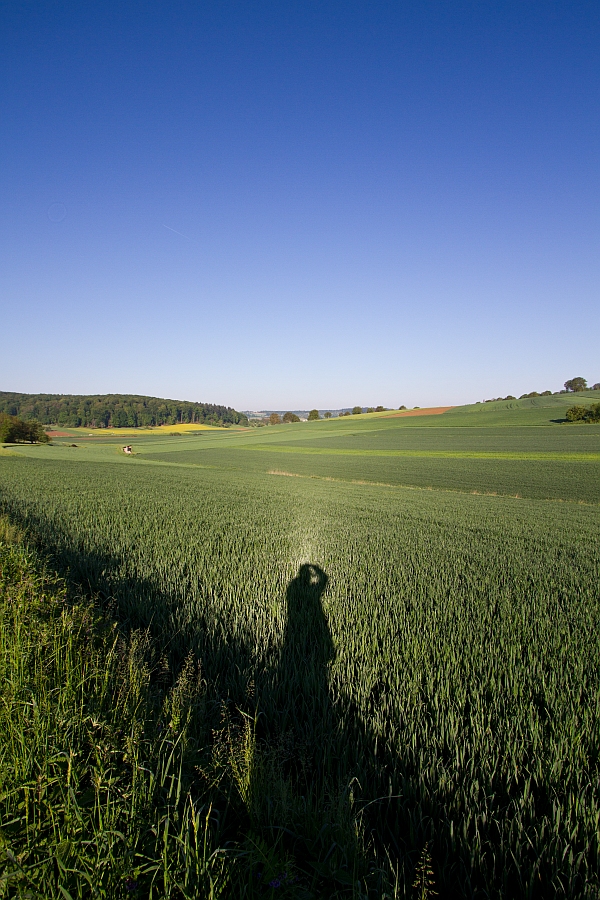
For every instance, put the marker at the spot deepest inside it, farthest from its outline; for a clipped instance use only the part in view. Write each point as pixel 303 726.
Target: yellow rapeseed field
pixel 157 429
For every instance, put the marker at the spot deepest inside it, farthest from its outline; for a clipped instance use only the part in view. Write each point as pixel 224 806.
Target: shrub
pixel 593 413
pixel 14 430
pixel 584 414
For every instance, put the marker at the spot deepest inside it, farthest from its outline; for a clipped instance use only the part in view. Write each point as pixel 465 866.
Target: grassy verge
pixel 96 791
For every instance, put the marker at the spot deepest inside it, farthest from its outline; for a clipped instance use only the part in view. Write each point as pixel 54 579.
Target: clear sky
pixel 295 204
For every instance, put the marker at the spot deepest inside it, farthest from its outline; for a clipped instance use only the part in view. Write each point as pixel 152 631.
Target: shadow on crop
pixel 302 672
pixel 316 763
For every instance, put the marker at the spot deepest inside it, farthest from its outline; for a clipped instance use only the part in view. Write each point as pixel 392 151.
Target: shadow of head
pixel 310 579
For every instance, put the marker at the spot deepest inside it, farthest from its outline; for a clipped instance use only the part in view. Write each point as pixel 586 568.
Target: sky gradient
pixel 287 205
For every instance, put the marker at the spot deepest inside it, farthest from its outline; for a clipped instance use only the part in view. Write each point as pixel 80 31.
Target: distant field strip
pixel 421 487
pixel 427 454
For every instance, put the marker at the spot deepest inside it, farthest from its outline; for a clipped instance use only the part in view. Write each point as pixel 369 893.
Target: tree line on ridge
pixel 114 410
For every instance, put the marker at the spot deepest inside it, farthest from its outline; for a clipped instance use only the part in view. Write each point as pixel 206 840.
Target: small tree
pixel 356 410
pixel 327 415
pixel 380 409
pixel 313 415
pixel 596 387
pixel 290 417
pixel 401 407
pixel 576 384
pixel 274 419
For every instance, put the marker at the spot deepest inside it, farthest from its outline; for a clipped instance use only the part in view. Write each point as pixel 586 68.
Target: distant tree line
pixel 114 411
pixel 15 431
pixel 313 415
pixel 573 385
pixel 359 410
pixel 532 394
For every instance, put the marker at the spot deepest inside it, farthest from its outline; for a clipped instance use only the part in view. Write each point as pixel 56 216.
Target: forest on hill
pixel 114 410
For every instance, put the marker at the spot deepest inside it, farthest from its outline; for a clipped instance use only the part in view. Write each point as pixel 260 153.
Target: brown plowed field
pixel 431 411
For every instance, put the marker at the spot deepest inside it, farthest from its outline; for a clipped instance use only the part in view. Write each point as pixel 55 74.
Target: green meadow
pixel 311 660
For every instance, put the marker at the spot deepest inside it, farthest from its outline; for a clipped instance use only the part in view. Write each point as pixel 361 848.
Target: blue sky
pixel 287 205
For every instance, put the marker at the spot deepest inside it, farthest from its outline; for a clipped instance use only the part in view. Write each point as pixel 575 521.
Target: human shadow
pixel 307 645
pixel 317 750
pixel 295 701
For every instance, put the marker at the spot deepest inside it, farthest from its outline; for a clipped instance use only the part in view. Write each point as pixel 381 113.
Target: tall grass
pixel 96 795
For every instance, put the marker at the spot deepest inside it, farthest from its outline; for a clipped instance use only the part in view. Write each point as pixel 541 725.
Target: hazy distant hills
pixel 303 413
pixel 114 410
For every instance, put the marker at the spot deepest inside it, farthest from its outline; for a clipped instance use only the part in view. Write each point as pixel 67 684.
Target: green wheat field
pixel 346 658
